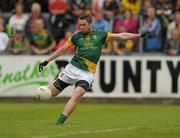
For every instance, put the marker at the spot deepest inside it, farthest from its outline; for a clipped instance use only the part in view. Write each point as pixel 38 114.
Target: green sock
pixel 62 118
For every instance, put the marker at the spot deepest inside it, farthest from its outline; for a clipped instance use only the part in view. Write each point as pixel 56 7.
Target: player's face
pixel 85 27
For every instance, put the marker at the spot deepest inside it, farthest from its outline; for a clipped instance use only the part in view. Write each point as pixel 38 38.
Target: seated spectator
pixel 41 40
pixel 100 23
pixel 173 44
pixel 134 5
pixel 36 14
pixel 58 22
pixel 63 41
pixel 122 47
pixel 18 20
pixel 152 24
pixel 110 8
pixel 18 44
pixel 128 21
pixel 3 37
pixel 175 24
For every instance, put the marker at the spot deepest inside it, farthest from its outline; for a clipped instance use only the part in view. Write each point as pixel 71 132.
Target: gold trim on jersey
pixel 91 66
pixel 69 43
pixel 109 36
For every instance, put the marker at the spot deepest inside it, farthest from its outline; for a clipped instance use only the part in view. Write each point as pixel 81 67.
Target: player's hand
pixel 10 31
pixel 42 65
pixel 147 35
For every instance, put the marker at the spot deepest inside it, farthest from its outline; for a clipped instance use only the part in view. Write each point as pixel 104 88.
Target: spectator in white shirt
pixel 3 37
pixel 175 24
pixel 18 20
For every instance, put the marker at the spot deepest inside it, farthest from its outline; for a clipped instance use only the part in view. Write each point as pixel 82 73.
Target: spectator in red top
pixel 57 20
pixel 57 7
pixel 63 41
pixel 128 21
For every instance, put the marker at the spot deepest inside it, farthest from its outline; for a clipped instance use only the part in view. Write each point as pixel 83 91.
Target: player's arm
pixel 56 54
pixel 130 35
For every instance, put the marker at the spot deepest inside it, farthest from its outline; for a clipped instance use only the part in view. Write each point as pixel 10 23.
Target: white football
pixel 43 93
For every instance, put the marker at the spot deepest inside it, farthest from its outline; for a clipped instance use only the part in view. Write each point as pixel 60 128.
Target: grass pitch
pixel 37 120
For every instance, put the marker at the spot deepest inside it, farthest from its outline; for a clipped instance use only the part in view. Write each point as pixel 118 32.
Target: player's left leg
pixel 81 87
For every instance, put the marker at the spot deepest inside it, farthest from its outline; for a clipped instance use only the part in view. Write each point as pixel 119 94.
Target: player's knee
pixel 83 84
pixel 58 86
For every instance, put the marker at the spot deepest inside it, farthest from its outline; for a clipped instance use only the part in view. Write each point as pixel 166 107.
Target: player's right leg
pixel 46 92
pixel 57 87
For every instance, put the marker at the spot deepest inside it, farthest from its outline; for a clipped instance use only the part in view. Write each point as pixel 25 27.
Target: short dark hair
pixel 87 17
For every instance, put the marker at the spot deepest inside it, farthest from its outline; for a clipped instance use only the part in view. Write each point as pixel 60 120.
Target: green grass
pixel 37 120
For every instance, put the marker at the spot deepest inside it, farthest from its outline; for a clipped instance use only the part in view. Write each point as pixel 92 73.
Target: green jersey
pixel 41 40
pixel 88 49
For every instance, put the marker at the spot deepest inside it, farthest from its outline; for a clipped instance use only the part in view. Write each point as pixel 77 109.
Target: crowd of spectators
pixel 42 26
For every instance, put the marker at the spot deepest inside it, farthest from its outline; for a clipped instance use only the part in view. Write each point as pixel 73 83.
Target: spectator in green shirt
pixel 41 40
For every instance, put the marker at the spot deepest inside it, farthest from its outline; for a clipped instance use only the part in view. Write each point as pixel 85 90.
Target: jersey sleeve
pixel 71 40
pixel 109 36
pixel 105 36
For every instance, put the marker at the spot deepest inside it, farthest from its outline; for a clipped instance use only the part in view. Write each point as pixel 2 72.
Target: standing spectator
pixel 134 5
pixel 41 41
pixel 152 24
pixel 18 44
pixel 35 15
pixel 100 23
pixel 173 44
pixel 3 37
pixel 175 24
pixel 58 22
pixel 18 20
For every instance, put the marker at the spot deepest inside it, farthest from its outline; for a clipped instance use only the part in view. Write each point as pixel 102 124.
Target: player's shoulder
pixel 77 33
pixel 100 32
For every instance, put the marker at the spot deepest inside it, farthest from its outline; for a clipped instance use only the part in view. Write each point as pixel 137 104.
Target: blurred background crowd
pixel 42 26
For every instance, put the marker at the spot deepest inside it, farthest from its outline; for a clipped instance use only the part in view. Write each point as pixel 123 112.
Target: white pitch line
pixel 86 132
